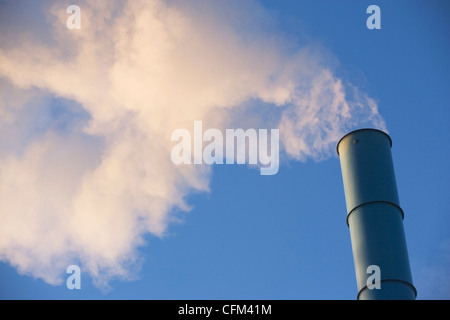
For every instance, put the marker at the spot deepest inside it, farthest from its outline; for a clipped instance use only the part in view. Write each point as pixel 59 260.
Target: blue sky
pixel 282 236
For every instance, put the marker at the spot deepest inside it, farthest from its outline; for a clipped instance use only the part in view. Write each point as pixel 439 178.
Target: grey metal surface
pixel 374 215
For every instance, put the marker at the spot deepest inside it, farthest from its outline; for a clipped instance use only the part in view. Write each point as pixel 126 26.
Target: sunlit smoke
pixel 86 118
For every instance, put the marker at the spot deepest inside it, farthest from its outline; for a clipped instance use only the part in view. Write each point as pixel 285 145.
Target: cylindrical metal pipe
pixel 375 217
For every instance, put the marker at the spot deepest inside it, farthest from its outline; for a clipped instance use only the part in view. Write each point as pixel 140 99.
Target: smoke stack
pixel 374 217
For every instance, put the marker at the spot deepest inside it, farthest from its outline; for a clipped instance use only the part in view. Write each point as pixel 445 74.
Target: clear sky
pixel 85 123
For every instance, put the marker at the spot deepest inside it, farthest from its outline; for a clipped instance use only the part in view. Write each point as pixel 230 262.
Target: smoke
pixel 86 118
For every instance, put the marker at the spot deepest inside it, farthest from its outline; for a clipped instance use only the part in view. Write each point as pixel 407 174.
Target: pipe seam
pixel 373 202
pixel 389 280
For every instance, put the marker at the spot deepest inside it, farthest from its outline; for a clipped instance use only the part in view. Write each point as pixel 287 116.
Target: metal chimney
pixel 374 217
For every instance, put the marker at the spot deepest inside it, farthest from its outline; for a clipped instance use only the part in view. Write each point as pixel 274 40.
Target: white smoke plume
pixel 86 118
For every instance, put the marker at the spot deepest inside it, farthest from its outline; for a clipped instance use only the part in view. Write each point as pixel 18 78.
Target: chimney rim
pixel 360 130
